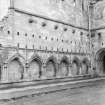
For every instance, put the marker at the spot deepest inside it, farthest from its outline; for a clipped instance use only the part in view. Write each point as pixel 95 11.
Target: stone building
pixel 49 39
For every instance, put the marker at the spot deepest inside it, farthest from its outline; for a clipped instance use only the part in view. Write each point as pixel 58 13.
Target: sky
pixel 4 4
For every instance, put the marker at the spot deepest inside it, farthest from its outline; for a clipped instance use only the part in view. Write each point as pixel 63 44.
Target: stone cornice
pixel 100 28
pixel 46 51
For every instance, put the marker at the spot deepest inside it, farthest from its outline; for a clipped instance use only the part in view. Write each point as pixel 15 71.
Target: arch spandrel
pixel 20 57
pixel 36 57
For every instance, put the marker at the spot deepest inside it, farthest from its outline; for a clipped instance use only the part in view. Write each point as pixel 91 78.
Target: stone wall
pixel 29 65
pixel 39 48
pixel 36 45
pixel 69 11
pixel 99 14
pixel 32 31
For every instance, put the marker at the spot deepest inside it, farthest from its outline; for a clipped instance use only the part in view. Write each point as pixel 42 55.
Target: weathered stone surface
pixel 99 14
pixel 41 43
pixel 69 11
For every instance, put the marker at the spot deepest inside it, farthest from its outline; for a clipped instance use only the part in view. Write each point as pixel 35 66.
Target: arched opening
pixel 100 61
pixel 34 70
pixel 50 69
pixel 15 70
pixel 84 67
pixel 63 69
pixel 75 67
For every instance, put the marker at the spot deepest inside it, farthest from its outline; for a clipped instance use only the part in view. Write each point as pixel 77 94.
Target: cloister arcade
pixel 36 68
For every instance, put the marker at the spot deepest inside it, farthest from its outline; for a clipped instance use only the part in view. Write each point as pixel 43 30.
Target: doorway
pixel 100 59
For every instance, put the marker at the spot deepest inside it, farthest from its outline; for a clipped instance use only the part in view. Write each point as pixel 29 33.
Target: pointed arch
pixel 15 69
pixel 36 56
pixel 75 66
pixel 35 66
pixel 19 56
pixel 77 60
pixel 86 60
pixel 100 54
pixel 51 67
pixel 100 61
pixel 52 58
pixel 65 58
pixel 63 67
pixel 85 66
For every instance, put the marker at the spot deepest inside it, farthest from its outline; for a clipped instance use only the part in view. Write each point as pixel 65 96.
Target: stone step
pixel 46 88
pixel 22 84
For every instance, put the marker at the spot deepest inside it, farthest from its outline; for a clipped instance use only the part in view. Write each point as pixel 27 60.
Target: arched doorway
pixel 100 61
pixel 15 70
pixel 34 69
pixel 50 69
pixel 75 67
pixel 84 66
pixel 64 68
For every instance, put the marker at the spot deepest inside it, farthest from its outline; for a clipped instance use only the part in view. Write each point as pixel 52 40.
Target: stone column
pixel 98 67
pixel 43 72
pixel 80 70
pixel 58 69
pixel 4 72
pixel 70 68
pixel 26 71
pixel 93 67
pixel 91 71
